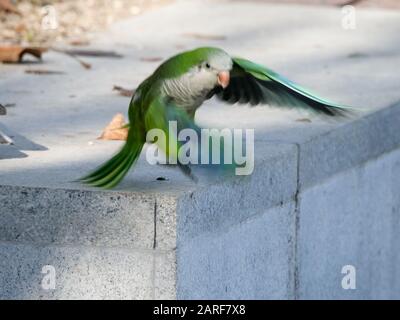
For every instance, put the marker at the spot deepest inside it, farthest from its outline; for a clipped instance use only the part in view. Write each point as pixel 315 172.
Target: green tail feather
pixel 114 170
pixel 109 174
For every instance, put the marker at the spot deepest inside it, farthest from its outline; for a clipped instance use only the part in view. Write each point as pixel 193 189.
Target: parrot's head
pixel 192 75
pixel 213 68
pixel 207 68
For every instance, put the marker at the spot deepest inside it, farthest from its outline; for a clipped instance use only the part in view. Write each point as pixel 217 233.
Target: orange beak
pixel 223 79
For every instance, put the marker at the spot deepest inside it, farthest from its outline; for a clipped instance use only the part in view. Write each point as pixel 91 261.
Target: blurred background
pixel 43 22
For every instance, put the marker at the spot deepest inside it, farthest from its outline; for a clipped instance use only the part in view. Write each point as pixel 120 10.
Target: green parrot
pixel 182 83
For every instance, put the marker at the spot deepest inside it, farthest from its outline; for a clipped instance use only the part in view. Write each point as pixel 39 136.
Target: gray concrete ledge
pixel 349 145
pixel 255 237
pixel 274 249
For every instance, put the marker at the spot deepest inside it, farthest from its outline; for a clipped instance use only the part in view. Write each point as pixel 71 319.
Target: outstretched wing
pixel 256 84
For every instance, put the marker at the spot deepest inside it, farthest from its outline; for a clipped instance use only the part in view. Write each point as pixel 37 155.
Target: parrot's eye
pixel 208 65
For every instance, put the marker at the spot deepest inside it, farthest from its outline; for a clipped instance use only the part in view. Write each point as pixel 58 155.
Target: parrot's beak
pixel 223 79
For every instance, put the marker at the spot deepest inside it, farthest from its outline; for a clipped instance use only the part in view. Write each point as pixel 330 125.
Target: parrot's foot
pixel 185 169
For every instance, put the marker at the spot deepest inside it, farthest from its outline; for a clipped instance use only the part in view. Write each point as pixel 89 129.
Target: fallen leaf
pixel 3 110
pixel 124 92
pixel 8 6
pixel 303 120
pixel 151 59
pixel 16 53
pixel 115 130
pixel 43 72
pixel 204 36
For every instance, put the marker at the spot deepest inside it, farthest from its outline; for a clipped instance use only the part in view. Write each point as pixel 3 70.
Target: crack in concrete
pixel 154 271
pixel 297 226
pixel 155 225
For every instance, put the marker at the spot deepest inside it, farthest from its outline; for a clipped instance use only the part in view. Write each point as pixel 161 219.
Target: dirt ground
pixel 43 22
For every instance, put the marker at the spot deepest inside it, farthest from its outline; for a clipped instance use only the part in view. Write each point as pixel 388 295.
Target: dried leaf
pixel 115 130
pixel 124 92
pixel 43 72
pixel 151 59
pixel 202 36
pixel 6 5
pixel 16 53
pixel 3 110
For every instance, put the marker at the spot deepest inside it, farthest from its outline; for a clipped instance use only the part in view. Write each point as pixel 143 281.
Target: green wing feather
pixel 253 83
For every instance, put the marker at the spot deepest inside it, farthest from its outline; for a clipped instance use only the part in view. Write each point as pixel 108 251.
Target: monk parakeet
pixel 182 83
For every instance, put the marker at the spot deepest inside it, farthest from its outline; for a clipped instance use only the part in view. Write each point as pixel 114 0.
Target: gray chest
pixel 187 93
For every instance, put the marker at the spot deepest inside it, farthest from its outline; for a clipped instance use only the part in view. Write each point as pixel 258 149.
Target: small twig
pixel 151 59
pixel 124 92
pixel 93 53
pixel 43 72
pixel 73 56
